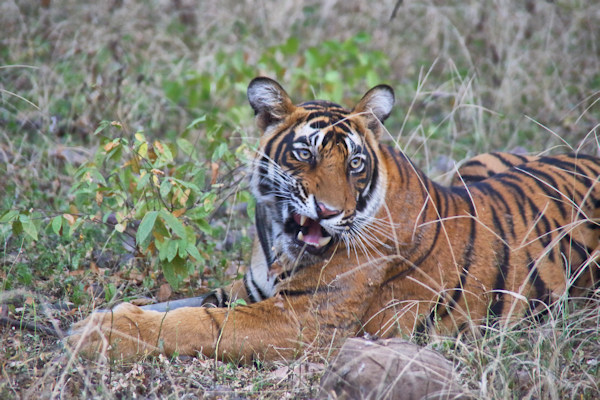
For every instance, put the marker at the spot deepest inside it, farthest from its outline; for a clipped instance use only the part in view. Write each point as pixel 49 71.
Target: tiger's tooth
pixel 300 236
pixel 303 220
pixel 324 240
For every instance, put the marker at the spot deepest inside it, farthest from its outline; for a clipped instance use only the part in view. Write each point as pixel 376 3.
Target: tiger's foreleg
pixel 237 334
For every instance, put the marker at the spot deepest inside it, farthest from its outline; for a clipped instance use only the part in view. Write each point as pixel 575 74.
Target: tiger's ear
pixel 376 105
pixel 270 102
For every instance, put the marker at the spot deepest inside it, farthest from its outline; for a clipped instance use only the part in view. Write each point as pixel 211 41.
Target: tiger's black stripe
pixel 582 251
pixel 548 185
pixel 474 163
pixel 464 273
pixel 520 194
pixel 364 198
pixel 492 192
pixel 502 268
pixel 438 228
pixel 214 321
pixel 541 291
pixel 504 161
pixel 261 295
pixel 470 178
pixel 309 292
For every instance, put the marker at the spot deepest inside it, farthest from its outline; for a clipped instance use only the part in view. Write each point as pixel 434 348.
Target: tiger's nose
pixel 325 212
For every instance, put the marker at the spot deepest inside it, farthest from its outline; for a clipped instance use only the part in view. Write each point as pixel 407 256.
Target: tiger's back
pixel 485 165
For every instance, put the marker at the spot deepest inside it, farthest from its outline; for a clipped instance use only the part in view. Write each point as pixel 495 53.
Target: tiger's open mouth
pixel 310 234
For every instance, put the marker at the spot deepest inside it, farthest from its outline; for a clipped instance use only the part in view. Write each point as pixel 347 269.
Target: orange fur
pixel 433 257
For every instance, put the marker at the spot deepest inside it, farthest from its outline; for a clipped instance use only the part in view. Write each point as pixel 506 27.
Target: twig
pixel 395 11
pixel 5 321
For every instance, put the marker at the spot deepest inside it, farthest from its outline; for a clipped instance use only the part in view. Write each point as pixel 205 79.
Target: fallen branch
pixel 5 321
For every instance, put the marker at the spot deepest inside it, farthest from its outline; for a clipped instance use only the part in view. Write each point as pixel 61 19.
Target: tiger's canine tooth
pixel 303 219
pixel 324 240
pixel 300 236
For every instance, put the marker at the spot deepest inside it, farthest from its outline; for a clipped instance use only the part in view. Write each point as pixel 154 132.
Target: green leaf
pixel 185 146
pixel 102 126
pixel 193 251
pixel 160 229
pixel 9 216
pixel 172 222
pixel 56 224
pixel 165 154
pixel 24 274
pixel 145 227
pixel 29 227
pixel 220 151
pixel 246 197
pixel 197 213
pixel 143 181
pixel 172 249
pixel 17 227
pixel 205 227
pixel 195 122
pixel 162 246
pixel 239 302
pixel 115 153
pixel 182 248
pixel 187 184
pixel 175 271
pixel 165 188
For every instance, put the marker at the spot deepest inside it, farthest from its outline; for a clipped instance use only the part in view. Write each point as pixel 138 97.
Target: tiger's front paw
pixel 125 332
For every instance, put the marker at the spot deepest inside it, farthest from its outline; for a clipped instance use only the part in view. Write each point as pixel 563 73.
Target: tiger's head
pixel 317 172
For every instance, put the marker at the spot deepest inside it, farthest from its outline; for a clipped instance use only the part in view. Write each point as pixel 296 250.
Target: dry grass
pixel 555 357
pixel 470 76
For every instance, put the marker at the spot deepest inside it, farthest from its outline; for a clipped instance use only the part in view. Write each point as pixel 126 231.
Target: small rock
pixel 390 369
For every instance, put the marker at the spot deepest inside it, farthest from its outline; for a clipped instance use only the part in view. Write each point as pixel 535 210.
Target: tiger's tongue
pixel 313 235
pixel 311 232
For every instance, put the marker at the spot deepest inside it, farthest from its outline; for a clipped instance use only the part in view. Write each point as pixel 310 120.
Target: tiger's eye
pixel 304 154
pixel 356 163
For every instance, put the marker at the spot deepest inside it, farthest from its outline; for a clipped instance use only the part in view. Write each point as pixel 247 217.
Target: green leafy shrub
pixel 160 189
pixel 166 192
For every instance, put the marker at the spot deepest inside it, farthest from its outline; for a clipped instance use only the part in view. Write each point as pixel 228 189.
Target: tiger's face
pixel 317 171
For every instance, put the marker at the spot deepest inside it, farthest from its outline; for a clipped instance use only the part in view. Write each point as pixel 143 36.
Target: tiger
pixel 354 239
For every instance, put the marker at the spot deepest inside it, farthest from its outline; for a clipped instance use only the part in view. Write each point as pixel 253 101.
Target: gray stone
pixel 390 369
